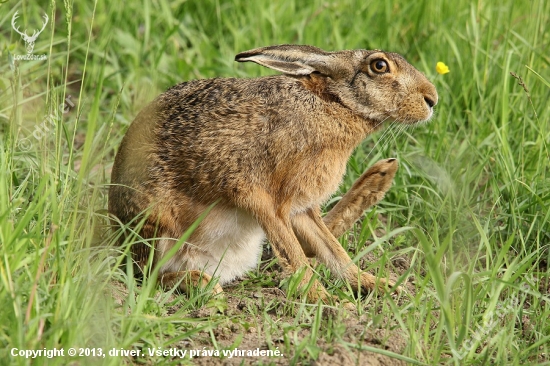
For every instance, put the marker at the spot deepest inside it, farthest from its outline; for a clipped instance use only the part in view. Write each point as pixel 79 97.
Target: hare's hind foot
pixel 187 280
pixel 367 191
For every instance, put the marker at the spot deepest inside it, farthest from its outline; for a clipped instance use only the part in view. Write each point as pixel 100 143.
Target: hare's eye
pixel 379 66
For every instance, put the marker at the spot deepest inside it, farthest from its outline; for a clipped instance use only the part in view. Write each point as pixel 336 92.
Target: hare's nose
pixel 430 95
pixel 429 101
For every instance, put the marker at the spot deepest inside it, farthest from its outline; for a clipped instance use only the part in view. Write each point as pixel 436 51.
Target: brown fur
pixel 269 151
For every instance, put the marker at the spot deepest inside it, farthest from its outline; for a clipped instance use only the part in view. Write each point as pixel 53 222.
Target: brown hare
pixel 268 152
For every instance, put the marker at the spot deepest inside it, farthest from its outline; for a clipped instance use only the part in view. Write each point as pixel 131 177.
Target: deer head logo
pixel 29 40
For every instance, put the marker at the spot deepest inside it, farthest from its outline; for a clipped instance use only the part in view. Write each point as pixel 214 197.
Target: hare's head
pixel 377 85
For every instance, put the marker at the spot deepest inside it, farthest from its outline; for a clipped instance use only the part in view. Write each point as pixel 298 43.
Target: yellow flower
pixel 441 68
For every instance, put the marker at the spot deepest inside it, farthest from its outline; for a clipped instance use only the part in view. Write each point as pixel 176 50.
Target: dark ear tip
pixel 242 55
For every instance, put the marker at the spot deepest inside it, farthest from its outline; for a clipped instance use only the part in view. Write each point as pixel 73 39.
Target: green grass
pixel 469 210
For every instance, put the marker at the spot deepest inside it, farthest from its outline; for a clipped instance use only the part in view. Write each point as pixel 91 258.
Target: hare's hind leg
pixel 367 190
pixel 226 244
pixel 187 280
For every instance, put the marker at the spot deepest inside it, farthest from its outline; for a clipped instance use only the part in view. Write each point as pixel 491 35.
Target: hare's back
pixel 211 135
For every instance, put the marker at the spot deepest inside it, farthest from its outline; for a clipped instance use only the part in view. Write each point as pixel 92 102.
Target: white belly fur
pixel 229 244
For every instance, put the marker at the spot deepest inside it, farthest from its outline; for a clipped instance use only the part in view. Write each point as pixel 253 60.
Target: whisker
pixel 385 137
pixel 379 123
pixel 396 131
pixel 393 131
pixel 401 126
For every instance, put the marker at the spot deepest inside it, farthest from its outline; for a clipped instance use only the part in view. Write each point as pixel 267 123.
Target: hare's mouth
pixel 417 108
pixel 412 116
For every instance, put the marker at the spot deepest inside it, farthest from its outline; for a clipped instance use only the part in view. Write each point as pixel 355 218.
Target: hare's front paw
pixel 370 282
pixel 317 293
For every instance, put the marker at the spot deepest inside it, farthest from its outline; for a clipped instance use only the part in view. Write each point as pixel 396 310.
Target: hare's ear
pixel 292 59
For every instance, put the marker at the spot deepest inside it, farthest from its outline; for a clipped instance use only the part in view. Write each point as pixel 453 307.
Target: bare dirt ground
pixel 251 308
pixel 356 332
